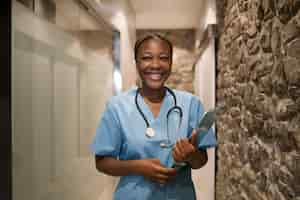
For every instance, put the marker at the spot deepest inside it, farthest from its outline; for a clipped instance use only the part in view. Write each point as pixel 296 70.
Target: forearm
pixel 198 159
pixel 114 167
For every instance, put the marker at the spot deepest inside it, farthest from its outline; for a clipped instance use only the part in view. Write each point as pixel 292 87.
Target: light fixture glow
pixel 117 81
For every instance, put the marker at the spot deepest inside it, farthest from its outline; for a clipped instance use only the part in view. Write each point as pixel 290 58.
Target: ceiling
pixel 168 14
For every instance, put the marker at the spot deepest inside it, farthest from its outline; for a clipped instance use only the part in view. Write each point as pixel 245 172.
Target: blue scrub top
pixel 121 134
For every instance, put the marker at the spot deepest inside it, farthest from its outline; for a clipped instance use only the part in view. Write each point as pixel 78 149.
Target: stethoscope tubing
pixel 175 107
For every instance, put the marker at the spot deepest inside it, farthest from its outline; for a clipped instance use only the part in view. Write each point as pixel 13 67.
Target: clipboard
pixel 205 123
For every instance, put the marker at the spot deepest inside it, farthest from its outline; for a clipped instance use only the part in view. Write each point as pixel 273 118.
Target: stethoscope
pixel 150 133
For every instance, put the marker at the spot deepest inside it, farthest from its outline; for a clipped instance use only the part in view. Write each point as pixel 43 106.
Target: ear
pixel 138 81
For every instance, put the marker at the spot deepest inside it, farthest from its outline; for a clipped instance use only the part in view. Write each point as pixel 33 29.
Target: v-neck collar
pixel 147 111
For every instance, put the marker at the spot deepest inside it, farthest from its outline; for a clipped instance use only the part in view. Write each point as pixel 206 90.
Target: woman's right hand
pixel 153 170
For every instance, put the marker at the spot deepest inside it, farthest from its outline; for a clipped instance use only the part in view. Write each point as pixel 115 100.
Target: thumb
pixel 155 160
pixel 193 139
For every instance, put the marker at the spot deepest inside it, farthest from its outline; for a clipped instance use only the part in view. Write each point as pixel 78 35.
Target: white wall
pixel 165 20
pixel 124 20
pixel 205 178
pixel 59 89
pixel 168 14
pixel 205 88
pixel 121 15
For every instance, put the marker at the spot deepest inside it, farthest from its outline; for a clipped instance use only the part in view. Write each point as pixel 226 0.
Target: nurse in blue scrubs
pixel 132 139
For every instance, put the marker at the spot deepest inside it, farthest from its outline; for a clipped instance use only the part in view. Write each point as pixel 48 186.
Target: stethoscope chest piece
pixel 150 132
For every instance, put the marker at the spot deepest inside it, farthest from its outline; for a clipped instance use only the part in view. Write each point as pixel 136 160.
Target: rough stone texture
pixel 184 56
pixel 258 79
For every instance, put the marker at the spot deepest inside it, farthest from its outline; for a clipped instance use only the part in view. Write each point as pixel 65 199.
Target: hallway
pixel 70 56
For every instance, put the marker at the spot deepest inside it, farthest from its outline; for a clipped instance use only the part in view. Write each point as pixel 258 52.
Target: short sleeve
pixel 196 112
pixel 107 140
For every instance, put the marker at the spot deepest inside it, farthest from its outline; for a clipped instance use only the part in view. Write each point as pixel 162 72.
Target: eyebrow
pixel 162 53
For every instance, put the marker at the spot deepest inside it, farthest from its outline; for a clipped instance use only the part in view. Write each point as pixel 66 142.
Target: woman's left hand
pixel 185 150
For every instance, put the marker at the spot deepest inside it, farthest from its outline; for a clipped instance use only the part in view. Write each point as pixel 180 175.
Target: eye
pixel 146 57
pixel 164 57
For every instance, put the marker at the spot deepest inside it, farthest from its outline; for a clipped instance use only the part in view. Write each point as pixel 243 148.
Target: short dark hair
pixel 148 36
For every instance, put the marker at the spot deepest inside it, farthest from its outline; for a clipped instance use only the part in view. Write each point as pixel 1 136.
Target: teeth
pixel 155 76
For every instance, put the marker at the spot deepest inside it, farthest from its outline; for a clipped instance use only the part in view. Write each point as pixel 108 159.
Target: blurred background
pixel 70 56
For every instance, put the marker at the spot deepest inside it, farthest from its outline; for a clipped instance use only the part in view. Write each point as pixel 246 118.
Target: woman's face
pixel 154 63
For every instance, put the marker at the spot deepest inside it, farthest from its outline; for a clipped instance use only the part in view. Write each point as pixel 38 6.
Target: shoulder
pixel 188 99
pixel 123 99
pixel 185 95
pixel 182 93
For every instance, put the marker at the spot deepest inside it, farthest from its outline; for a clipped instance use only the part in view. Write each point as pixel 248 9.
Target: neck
pixel 154 96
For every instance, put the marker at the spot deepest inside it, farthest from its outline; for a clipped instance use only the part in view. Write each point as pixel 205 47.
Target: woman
pixel 132 138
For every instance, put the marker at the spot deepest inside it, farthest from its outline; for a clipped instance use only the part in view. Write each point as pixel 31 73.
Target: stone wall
pixel 184 56
pixel 258 78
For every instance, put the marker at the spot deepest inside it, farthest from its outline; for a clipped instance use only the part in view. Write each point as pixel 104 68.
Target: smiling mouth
pixel 155 76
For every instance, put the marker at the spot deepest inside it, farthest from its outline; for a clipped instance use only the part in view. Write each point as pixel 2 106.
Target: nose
pixel 155 62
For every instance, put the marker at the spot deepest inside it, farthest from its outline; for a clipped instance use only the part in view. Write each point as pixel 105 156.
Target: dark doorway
pixel 5 98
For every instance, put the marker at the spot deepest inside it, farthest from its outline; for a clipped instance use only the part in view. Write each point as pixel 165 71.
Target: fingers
pixel 160 173
pixel 166 171
pixel 160 178
pixel 194 138
pixel 170 172
pixel 163 178
pixel 183 150
pixel 156 161
pixel 177 155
